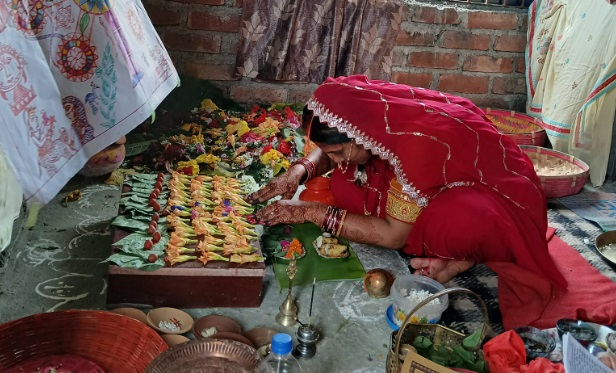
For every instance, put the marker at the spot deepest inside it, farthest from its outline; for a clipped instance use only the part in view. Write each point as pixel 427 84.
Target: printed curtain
pixel 75 76
pixel 571 75
pixel 307 41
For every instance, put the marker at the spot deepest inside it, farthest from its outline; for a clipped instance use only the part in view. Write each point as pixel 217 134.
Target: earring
pixel 348 161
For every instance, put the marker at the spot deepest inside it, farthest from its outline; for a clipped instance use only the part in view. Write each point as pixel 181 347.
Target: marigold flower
pixel 189 167
pixel 207 159
pixel 208 105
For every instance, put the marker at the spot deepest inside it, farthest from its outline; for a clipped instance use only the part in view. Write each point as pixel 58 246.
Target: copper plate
pixel 207 356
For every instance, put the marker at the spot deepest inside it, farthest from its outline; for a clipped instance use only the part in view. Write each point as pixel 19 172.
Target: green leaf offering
pixel 147 177
pixel 135 225
pixel 472 341
pixel 422 343
pixel 135 262
pixel 133 239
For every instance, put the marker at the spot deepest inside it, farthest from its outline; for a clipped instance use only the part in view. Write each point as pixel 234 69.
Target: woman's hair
pixel 321 132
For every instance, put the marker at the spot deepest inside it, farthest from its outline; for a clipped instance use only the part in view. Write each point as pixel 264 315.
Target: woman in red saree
pixel 424 172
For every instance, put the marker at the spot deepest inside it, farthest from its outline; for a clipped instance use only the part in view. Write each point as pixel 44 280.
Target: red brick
pixel 434 60
pixel 510 43
pixel 427 14
pixel 239 3
pixel 163 17
pixel 520 65
pixel 463 83
pixel 465 40
pixel 209 71
pixel 488 64
pixel 502 86
pixel 399 57
pixel 212 22
pixel 300 96
pixel 416 38
pixel 416 80
pixel 247 94
pixel 493 20
pixel 191 42
pixel 202 2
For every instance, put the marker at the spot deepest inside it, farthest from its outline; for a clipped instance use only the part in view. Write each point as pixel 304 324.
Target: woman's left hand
pixel 292 212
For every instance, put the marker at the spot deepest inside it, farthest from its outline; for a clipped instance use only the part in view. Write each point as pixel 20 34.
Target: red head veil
pixel 432 140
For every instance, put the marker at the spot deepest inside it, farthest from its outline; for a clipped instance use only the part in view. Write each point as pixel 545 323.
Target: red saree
pixel 480 195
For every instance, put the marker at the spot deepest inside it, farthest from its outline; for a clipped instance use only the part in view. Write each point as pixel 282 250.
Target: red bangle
pixel 311 168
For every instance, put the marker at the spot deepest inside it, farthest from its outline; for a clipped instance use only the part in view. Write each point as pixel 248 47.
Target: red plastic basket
pixel 558 185
pixel 117 343
pixel 523 129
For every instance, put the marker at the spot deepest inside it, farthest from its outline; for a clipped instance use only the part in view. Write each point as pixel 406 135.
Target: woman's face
pixel 347 152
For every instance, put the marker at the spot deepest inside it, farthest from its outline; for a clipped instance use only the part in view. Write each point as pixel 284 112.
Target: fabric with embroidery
pixel 77 76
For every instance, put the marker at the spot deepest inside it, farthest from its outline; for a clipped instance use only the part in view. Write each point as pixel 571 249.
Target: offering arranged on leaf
pixel 178 218
pixel 466 355
pixel 329 247
pixel 290 250
pixel 207 215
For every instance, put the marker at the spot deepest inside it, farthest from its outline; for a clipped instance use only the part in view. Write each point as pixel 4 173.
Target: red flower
pixel 267 148
pixel 186 171
pixel 285 148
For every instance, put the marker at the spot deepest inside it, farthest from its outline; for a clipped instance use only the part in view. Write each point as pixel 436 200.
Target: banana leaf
pixel 312 265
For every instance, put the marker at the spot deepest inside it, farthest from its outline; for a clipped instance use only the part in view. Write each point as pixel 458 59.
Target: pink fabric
pixel 592 296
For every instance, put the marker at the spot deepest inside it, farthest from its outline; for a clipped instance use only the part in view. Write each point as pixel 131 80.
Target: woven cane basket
pixel 438 334
pixel 560 174
pixel 523 129
pixel 118 344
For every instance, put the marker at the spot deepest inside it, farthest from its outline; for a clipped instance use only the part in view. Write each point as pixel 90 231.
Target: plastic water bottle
pixel 280 359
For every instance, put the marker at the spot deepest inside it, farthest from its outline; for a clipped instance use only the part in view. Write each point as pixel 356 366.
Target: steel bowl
pixel 604 243
pixel 581 331
pixel 537 342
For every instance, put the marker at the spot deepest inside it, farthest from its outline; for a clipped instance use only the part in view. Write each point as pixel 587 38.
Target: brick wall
pixel 476 52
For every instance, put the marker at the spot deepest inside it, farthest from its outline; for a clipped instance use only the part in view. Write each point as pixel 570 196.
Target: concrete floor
pixel 56 265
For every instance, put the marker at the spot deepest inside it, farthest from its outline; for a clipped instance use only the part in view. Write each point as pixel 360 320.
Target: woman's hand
pixel 292 212
pixel 284 185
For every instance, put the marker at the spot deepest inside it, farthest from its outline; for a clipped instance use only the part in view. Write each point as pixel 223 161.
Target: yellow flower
pixel 192 127
pixel 272 155
pixel 190 167
pixel 208 105
pixel 214 132
pixel 240 128
pixel 285 164
pixel 207 159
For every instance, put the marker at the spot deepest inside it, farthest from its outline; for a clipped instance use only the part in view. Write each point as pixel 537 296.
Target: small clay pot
pixel 318 190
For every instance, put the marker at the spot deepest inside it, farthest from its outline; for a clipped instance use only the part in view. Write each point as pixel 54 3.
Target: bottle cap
pixel 282 344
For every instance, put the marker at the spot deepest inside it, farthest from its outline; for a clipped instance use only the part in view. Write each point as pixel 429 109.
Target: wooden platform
pixel 186 285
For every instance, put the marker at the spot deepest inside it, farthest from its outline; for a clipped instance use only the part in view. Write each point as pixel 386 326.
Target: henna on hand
pixel 292 212
pixel 361 229
pixel 284 185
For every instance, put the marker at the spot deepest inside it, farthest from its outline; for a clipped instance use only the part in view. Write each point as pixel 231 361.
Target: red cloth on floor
pixel 527 299
pixel 505 353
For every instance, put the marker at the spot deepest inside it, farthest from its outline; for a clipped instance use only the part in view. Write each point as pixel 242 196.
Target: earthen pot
pixel 318 190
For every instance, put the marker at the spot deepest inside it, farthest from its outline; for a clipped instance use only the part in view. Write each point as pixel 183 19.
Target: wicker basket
pixel 523 129
pixel 118 344
pixel 574 171
pixel 438 334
